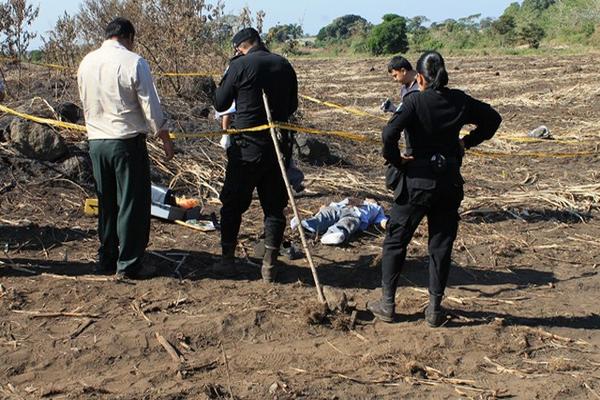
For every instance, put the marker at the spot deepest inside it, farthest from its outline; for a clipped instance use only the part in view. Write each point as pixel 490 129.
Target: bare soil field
pixel 523 292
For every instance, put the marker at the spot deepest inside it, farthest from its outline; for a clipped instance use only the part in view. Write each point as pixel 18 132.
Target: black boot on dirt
pixel 383 309
pixel 268 271
pixel 435 316
pixel 226 267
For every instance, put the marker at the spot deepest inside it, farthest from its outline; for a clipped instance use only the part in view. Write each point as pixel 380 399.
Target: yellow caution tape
pixel 187 74
pixel 278 125
pixel 348 109
pixel 344 108
pixel 487 153
pixel 64 68
pixel 357 137
pixel 259 128
pixel 47 121
pixel 52 66
pixel 342 134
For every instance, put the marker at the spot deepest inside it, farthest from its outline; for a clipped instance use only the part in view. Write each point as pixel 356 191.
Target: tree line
pixel 180 36
pixel 526 24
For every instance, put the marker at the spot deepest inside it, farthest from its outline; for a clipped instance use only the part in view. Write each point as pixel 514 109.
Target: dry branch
pixel 40 314
pixel 504 370
pixel 178 358
pixel 592 391
pixel 81 328
pixel 556 337
pixel 83 278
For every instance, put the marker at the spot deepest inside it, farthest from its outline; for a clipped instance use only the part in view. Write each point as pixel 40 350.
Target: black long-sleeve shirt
pixel 432 121
pixel 244 82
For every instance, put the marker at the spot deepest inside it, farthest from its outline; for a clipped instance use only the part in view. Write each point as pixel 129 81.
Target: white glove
pixel 225 141
pixel 388 106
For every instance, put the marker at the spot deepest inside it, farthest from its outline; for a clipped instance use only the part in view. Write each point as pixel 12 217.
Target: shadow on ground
pixel 39 238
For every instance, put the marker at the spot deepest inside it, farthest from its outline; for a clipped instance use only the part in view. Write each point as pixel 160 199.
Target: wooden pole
pixel 292 200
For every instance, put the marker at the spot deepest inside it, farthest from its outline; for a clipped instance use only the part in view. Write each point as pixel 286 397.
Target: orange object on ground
pixel 186 203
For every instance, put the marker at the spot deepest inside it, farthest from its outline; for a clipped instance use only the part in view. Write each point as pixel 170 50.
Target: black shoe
pixel 382 310
pixel 142 273
pixel 226 266
pixel 435 318
pixel 103 270
pixel 121 276
pixel 434 313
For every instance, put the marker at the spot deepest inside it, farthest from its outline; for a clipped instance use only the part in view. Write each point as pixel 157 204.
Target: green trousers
pixel 122 174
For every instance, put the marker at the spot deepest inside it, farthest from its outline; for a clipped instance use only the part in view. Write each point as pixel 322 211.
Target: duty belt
pixel 429 161
pixel 437 163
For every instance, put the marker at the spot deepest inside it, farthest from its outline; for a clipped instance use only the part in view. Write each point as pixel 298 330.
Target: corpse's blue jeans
pixel 331 218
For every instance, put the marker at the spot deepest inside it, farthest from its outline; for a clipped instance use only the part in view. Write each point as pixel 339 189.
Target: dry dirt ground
pixel 523 292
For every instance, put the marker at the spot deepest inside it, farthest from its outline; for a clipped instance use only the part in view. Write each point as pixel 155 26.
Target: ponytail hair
pixel 433 68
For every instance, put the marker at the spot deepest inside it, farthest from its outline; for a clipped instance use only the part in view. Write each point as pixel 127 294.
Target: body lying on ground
pixel 338 221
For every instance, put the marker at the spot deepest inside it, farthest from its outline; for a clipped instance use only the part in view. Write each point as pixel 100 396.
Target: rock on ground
pixel 36 141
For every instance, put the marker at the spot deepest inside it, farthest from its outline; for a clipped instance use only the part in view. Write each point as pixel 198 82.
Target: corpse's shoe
pixel 333 238
pixel 382 310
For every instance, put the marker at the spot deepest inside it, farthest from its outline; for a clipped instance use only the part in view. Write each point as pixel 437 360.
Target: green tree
pixel 415 24
pixel 283 33
pixel 343 28
pixel 504 25
pixel 389 36
pixel 532 34
pixel 537 6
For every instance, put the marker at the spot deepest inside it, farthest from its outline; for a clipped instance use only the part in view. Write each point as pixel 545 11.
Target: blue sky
pixel 314 14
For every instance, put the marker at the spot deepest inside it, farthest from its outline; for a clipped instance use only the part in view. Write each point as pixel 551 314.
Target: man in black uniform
pixel 430 182
pixel 252 161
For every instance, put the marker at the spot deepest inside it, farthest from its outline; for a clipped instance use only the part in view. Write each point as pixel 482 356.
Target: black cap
pixel 244 35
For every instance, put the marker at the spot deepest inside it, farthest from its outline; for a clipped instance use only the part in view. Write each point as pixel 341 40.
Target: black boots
pixel 384 308
pixel 434 313
pixel 227 264
pixel 269 264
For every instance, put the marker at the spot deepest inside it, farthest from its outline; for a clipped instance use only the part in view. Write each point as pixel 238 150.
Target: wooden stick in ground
pixel 227 370
pixel 292 200
pixel 81 328
pixel 169 348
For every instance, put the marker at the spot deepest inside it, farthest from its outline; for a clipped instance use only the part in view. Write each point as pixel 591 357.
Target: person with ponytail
pixel 428 182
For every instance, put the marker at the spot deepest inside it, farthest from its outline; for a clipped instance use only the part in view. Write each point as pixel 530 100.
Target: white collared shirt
pixel 118 94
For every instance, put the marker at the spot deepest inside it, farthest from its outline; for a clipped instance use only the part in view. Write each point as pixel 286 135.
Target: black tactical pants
pixel 440 205
pixel 241 178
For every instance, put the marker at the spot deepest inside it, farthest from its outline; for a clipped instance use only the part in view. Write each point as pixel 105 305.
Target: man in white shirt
pixel 121 107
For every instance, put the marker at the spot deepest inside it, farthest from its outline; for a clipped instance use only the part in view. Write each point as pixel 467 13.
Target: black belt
pixel 426 162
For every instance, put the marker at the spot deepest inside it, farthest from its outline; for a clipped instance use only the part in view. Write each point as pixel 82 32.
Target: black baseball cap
pixel 244 35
